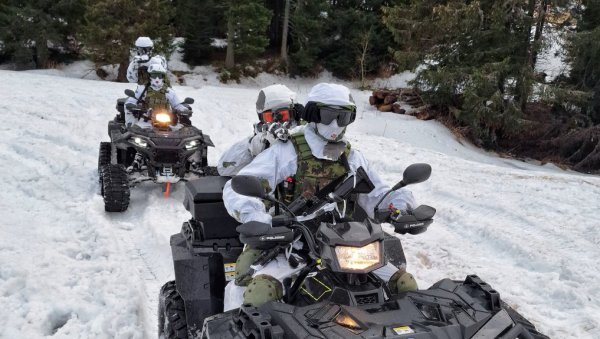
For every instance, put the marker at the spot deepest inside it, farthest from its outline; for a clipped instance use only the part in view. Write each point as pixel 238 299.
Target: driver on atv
pixel 278 114
pixel 317 154
pixel 156 95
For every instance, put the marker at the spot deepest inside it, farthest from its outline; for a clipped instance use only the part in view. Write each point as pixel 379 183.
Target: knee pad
pixel 242 265
pixel 261 289
pixel 402 281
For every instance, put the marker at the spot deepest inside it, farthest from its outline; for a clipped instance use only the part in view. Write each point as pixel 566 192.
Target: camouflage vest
pixel 312 173
pixel 157 99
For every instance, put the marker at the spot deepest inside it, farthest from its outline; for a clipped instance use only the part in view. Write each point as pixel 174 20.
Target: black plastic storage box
pixel 204 199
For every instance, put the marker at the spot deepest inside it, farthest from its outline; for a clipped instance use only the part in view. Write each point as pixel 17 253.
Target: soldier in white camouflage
pixel 316 154
pixel 278 113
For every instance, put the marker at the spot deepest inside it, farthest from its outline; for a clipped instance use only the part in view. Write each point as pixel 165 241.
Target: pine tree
pixel 477 55
pixel 31 29
pixel 247 22
pixel 307 31
pixel 584 56
pixel 357 40
pixel 112 26
pixel 199 22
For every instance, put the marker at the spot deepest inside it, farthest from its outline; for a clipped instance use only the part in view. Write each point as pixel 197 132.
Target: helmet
pixel 275 103
pixel 157 73
pixel 156 68
pixel 329 102
pixel 144 45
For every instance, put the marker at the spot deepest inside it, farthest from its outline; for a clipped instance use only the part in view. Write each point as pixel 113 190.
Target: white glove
pixel 278 131
pixel 256 216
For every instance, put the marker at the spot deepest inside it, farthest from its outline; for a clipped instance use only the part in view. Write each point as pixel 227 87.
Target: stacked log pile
pixel 392 100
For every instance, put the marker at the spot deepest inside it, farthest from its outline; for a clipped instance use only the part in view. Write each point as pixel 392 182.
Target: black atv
pixel 158 153
pixel 336 294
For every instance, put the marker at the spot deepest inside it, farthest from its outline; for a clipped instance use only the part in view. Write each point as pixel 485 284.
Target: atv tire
pixel 172 323
pixel 104 156
pixel 115 188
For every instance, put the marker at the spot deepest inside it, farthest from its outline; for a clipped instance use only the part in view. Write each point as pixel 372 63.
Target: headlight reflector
pixel 192 144
pixel 358 258
pixel 140 142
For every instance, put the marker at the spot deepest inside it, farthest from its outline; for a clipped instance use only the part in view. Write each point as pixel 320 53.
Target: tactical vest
pixel 157 99
pixel 312 173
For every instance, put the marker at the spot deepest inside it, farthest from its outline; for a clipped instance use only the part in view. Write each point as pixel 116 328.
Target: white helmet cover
pixel 144 42
pixel 156 68
pixel 274 96
pixel 331 94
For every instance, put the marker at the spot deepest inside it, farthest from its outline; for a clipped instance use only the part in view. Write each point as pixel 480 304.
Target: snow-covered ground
pixel 70 270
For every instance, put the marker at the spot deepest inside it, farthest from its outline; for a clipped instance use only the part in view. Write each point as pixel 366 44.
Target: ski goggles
pixel 344 115
pixel 144 50
pixel 278 115
pixel 156 75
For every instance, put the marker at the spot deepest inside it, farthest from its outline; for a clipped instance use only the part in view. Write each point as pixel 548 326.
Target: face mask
pixel 156 83
pixel 330 132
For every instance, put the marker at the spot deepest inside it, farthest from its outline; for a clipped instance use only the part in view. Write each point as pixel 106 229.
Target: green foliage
pixel 307 32
pixel 356 39
pixel 477 56
pixel 250 19
pixel 32 29
pixel 199 22
pixel 584 57
pixel 112 26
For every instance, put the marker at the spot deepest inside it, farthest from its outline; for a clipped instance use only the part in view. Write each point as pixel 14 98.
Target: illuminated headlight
pixel 140 142
pixel 163 118
pixel 192 144
pixel 358 258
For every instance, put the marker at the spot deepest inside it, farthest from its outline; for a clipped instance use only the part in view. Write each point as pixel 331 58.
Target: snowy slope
pixel 69 270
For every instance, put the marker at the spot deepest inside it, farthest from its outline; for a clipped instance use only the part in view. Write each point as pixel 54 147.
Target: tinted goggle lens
pixel 343 116
pixel 156 75
pixel 280 115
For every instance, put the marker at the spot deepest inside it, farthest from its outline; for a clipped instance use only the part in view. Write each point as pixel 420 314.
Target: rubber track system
pixel 171 313
pixel 115 188
pixel 103 156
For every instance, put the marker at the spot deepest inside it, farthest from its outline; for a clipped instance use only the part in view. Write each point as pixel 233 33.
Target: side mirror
pixel 414 174
pixel 130 93
pixel 249 186
pixel 188 101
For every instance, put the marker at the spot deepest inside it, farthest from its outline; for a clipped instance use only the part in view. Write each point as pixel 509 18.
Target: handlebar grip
pixel 282 220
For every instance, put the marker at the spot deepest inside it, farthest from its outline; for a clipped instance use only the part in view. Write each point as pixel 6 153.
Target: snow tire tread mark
pixel 115 188
pixel 171 313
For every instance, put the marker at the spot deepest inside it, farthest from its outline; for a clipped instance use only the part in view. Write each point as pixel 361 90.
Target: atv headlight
pixel 192 144
pixel 358 258
pixel 140 142
pixel 163 118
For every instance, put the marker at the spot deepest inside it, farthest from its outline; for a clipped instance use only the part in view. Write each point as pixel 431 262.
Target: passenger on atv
pixel 278 115
pixel 316 156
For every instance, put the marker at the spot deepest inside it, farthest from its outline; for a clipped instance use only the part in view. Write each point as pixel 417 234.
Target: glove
pixel 184 112
pixel 140 59
pixel 278 131
pixel 259 216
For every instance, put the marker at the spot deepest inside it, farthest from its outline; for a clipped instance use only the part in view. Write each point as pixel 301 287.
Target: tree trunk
pixel 539 29
pixel 229 57
pixel 284 34
pixel 122 74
